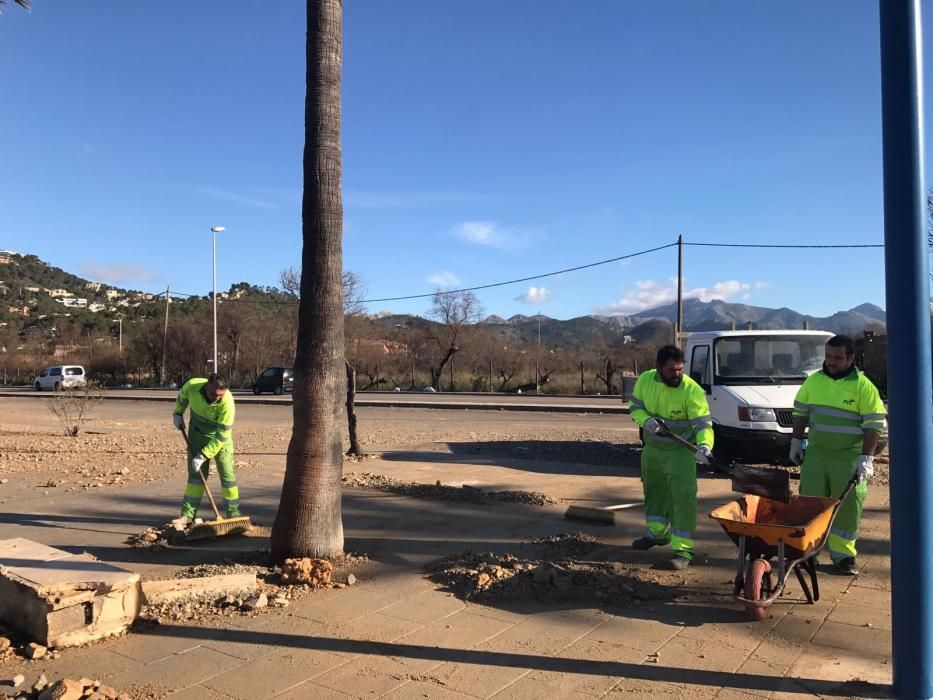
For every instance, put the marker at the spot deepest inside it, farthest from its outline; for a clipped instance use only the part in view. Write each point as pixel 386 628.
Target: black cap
pixel 217 380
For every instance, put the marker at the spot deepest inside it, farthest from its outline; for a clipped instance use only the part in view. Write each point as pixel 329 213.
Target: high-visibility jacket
pixel 683 409
pixel 839 410
pixel 213 421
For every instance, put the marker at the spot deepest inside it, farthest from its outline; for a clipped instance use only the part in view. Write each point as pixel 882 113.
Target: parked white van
pixel 60 377
pixel 751 378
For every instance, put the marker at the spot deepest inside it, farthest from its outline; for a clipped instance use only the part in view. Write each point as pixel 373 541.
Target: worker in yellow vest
pixel 845 416
pixel 210 436
pixel 668 470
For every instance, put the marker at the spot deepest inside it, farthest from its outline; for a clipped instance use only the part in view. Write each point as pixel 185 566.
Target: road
pixel 389 399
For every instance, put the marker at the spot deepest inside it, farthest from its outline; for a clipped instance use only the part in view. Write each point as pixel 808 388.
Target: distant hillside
pixel 720 315
pixel 34 293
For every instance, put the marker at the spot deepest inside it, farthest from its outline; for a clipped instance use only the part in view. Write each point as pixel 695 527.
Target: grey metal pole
pixel 910 378
pixel 214 291
pixel 165 334
pixel 680 291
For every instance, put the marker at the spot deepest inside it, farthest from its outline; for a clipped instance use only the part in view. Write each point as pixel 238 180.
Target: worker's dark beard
pixel 673 383
pixel 838 375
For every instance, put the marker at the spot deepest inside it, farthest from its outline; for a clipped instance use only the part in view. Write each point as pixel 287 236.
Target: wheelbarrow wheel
pixel 758 587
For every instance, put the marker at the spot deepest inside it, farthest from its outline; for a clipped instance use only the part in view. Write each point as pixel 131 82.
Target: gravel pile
pixel 442 492
pixel 495 578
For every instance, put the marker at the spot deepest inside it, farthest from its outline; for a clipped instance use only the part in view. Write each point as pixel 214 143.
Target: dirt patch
pixel 544 572
pixel 442 492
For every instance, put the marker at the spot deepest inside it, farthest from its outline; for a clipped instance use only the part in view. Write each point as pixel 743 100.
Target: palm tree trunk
pixel 308 523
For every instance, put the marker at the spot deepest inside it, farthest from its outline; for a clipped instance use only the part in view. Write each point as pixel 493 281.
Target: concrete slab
pixel 60 599
pixel 166 591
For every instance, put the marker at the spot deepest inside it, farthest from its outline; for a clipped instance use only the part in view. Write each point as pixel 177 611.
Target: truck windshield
pixel 764 359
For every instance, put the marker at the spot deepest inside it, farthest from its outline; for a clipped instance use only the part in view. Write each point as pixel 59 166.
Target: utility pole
pixel 538 359
pixel 165 335
pixel 909 383
pixel 679 326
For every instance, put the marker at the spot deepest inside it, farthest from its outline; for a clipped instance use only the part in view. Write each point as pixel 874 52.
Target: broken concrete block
pixel 35 651
pixel 260 601
pixel 157 592
pixel 65 689
pixel 40 684
pixel 108 692
pixel 60 599
pixel 18 680
pixel 4 644
pixel 351 580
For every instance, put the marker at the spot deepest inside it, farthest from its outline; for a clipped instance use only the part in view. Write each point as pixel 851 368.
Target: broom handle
pixel 693 448
pixel 207 489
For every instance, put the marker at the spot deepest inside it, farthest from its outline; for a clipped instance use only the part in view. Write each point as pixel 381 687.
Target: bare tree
pixel 309 521
pixel 453 313
pixel 354 289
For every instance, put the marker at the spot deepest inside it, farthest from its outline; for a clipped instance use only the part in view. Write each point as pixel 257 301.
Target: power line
pixel 544 275
pixel 784 245
pixel 522 279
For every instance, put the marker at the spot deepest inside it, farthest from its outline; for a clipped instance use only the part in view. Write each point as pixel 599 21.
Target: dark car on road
pixel 275 379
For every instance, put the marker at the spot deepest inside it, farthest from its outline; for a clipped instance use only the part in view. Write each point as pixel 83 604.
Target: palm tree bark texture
pixel 309 522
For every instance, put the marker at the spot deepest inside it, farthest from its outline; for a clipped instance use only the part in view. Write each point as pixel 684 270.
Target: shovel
pixel 757 481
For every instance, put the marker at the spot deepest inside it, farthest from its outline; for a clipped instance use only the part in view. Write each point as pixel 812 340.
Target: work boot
pixel 679 563
pixel 233 513
pixel 646 542
pixel 846 566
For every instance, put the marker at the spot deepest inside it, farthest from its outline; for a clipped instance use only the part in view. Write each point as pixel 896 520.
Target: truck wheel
pixel 277 391
pixel 758 587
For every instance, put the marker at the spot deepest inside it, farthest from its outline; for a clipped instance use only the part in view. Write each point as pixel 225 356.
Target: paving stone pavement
pixel 397 635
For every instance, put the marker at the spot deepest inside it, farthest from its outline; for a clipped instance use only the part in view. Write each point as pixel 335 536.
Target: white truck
pixel 751 378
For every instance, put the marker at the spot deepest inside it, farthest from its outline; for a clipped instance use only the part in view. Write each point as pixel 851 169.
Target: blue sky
pixel 483 141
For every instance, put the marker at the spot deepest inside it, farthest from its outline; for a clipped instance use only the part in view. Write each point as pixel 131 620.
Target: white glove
pixel 197 461
pixel 179 421
pixel 864 467
pixel 704 454
pixel 796 450
pixel 652 427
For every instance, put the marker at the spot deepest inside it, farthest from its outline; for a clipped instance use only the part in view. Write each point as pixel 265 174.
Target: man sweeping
pixel 209 437
pixel 668 470
pixel 845 416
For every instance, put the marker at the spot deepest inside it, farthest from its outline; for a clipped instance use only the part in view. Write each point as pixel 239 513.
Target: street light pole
pixel 214 231
pixel 119 320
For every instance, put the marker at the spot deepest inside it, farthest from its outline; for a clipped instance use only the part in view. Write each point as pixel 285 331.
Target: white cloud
pixel 649 294
pixel 444 279
pixel 535 295
pixel 234 197
pixel 746 297
pixel 493 235
pixel 762 285
pixel 112 274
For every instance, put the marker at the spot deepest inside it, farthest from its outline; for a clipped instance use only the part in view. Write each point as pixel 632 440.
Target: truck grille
pixel 785 417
